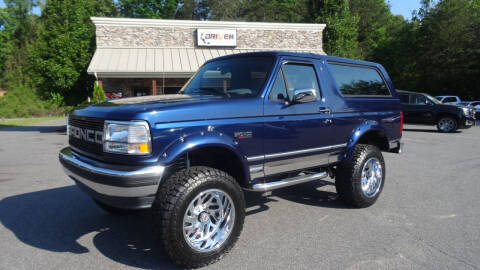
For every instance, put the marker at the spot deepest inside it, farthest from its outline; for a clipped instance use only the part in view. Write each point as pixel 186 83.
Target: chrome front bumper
pixel 129 187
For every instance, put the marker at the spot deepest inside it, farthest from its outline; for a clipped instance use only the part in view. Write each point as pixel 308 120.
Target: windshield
pixel 234 77
pixel 434 100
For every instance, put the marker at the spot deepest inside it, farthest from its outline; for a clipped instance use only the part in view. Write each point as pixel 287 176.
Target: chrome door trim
pixel 304 151
pixel 296 163
pixel 255 158
pixel 297 152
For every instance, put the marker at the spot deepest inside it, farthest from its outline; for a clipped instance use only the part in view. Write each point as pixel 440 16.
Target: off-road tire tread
pixel 165 209
pixel 346 180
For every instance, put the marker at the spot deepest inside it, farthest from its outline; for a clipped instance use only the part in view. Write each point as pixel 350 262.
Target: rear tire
pixel 195 204
pixel 360 180
pixel 447 124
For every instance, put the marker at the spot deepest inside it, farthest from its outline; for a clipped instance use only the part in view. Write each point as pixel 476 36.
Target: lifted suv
pixel 258 121
pixel 420 108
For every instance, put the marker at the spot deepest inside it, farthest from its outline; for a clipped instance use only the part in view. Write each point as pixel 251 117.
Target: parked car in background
pixel 475 105
pixel 449 99
pixel 421 108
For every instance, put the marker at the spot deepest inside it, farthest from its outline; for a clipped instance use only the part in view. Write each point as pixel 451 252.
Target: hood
pixel 456 109
pixel 173 108
pixel 460 106
pixel 149 100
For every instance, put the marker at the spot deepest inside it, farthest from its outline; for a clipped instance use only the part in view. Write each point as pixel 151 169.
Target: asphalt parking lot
pixel 428 216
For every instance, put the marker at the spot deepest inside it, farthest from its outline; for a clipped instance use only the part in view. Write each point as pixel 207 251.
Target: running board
pixel 288 182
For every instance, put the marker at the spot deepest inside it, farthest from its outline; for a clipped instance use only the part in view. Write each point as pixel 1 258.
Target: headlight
pixel 466 111
pixel 131 138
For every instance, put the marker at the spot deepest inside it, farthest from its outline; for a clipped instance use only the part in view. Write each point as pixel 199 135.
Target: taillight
pixel 401 122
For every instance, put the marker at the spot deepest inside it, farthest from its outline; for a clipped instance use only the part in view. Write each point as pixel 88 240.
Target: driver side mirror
pixel 428 102
pixel 303 96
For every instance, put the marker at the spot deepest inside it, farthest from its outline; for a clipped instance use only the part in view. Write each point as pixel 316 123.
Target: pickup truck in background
pixel 258 121
pixel 454 100
pixel 475 105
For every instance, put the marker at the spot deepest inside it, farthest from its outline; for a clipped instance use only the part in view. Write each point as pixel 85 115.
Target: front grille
pixel 86 123
pixel 471 112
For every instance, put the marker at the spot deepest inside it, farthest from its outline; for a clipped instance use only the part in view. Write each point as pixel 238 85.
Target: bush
pixel 23 102
pixel 98 93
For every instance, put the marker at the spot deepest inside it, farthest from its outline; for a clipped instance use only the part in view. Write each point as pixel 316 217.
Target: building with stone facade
pixel 137 57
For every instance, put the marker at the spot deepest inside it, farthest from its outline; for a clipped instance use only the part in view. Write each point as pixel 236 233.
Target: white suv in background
pixel 449 99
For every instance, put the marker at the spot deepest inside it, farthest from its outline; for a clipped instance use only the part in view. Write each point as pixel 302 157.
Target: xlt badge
pixel 243 135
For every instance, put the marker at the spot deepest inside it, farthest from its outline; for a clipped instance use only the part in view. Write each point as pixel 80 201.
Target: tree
pixel 98 93
pixel 340 35
pixel 6 32
pixel 192 10
pixel 449 47
pixel 375 23
pixel 151 9
pixel 274 11
pixel 438 51
pixel 399 54
pixel 226 10
pixel 65 46
pixel 17 31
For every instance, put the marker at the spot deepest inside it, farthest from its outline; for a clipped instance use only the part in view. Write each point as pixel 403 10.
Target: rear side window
pixel 358 81
pixel 418 99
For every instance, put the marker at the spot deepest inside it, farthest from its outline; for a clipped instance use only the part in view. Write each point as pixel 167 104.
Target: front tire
pixel 360 180
pixel 198 215
pixel 447 124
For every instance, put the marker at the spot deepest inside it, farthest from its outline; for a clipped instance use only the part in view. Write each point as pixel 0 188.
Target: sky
pixel 398 7
pixel 404 7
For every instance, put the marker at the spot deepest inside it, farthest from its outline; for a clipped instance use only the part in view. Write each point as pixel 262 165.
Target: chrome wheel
pixel 446 124
pixel 208 220
pixel 372 177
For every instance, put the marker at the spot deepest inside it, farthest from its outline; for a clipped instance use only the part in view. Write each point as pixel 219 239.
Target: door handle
pixel 327 121
pixel 324 110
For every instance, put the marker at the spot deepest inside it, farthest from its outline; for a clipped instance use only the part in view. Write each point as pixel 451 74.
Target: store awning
pixel 157 62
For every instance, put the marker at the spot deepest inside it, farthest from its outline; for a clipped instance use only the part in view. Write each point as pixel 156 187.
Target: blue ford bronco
pixel 257 121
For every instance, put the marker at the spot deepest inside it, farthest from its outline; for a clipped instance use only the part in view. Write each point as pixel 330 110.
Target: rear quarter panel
pixel 354 116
